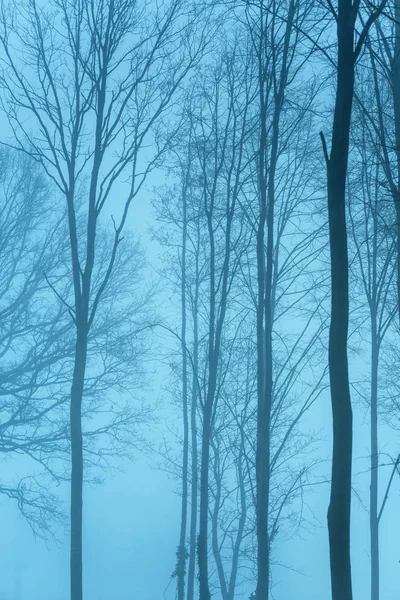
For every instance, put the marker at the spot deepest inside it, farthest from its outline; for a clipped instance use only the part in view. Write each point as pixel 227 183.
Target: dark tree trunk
pixel 241 525
pixel 82 280
pixel 375 348
pixel 265 305
pixel 263 419
pixel 202 541
pixel 217 318
pixel 218 476
pixel 77 464
pixel 182 551
pixel 373 509
pixel 340 498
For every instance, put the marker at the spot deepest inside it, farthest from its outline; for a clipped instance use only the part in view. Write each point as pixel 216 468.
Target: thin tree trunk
pixel 337 163
pixel 227 582
pixel 77 465
pixel 182 551
pixel 193 431
pixel 215 517
pixel 373 510
pixel 241 523
pixel 217 318
pixel 82 292
pixel 202 542
pixel 263 446
pixel 219 288
pixel 193 507
pixel 265 309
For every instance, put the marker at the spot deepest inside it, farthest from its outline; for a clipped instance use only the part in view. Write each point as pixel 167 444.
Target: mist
pixel 199 300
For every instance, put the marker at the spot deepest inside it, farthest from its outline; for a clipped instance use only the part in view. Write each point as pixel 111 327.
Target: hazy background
pixel 131 522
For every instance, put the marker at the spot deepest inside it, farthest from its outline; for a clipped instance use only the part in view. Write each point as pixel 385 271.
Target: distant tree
pixel 372 217
pixel 383 117
pixel 178 233
pixel 221 123
pixel 35 341
pixel 380 118
pixel 209 165
pixel 37 348
pixel 276 33
pixel 188 250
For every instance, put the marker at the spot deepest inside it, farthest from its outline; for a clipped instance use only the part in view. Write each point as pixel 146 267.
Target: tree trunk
pixel 241 523
pixel 263 429
pixel 182 551
pixel 216 323
pixel 375 346
pixel 77 464
pixel 340 498
pixel 193 431
pixel 202 542
pixel 373 509
pixel 266 302
pixel 214 525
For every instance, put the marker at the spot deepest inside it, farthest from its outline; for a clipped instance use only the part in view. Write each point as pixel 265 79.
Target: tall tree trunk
pixel 263 429
pixel 337 163
pixel 263 448
pixel 375 346
pixel 182 551
pixel 241 522
pixel 216 324
pixel 193 432
pixel 218 476
pixel 373 509
pixel 265 308
pixel 77 463
pixel 202 542
pixel 82 294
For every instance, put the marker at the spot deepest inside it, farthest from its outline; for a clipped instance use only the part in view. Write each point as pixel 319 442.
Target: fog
pixel 132 519
pixel 199 300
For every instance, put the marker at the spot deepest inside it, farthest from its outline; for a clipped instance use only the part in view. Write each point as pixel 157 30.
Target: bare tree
pixel 232 464
pixel 219 144
pixel 34 336
pixel 275 34
pixel 92 114
pixel 37 348
pixel 372 218
pixel 348 51
pixel 213 159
